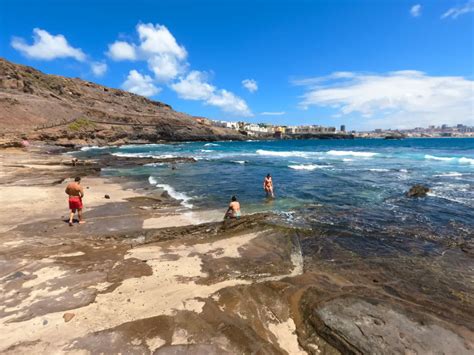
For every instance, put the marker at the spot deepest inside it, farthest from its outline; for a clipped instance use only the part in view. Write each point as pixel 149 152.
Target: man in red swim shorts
pixel 76 193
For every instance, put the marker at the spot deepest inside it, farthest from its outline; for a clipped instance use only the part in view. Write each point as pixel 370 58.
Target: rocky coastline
pixel 144 275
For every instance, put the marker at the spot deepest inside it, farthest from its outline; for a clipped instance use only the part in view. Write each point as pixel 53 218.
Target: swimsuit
pixel 75 202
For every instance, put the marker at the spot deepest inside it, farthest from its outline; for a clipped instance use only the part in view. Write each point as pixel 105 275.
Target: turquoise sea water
pixel 362 180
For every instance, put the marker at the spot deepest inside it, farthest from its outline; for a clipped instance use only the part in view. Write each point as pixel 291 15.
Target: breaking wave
pixel 179 196
pixel 272 153
pixel 308 167
pixel 351 153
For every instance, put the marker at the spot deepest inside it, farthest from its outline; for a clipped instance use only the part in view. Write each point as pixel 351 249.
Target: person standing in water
pixel 234 209
pixel 268 185
pixel 76 193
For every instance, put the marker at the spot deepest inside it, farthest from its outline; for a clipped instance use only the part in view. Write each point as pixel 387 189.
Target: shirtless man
pixel 268 185
pixel 76 193
pixel 234 209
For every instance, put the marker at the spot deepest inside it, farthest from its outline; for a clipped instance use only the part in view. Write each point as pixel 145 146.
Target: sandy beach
pixel 144 275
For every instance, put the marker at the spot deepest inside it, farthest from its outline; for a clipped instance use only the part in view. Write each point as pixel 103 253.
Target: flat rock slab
pixel 373 328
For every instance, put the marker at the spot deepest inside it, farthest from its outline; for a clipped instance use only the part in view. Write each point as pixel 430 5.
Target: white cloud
pixel 195 87
pixel 396 99
pixel 277 113
pixel 228 102
pixel 457 11
pixel 166 66
pixel 99 68
pixel 158 47
pixel 166 59
pixel 250 84
pixel 156 39
pixel 120 50
pixel 47 47
pixel 415 10
pixel 140 84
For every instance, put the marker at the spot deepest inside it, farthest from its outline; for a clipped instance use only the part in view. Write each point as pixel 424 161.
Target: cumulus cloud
pixel 250 84
pixel 277 113
pixel 120 50
pixel 158 47
pixel 457 11
pixel 167 60
pixel 140 84
pixel 47 47
pixel 157 39
pixel 166 66
pixel 415 10
pixel 99 68
pixel 194 86
pixel 398 99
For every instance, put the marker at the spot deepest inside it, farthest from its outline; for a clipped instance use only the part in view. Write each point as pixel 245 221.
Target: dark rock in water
pixel 418 191
pixel 468 247
pixel 165 194
pixel 107 197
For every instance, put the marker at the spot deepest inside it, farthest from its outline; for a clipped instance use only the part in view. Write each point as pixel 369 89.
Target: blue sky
pixel 365 64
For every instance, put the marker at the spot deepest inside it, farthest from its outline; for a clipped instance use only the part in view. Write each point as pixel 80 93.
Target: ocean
pixel 359 183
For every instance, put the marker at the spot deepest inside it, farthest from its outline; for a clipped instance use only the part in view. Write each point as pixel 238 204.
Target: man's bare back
pixel 74 189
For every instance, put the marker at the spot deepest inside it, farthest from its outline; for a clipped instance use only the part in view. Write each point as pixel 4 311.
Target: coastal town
pixel 266 130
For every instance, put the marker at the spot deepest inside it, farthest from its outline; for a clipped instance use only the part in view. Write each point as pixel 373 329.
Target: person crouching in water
pixel 76 193
pixel 234 209
pixel 268 185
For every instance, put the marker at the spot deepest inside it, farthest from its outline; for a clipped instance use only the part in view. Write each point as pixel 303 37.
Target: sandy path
pixel 23 204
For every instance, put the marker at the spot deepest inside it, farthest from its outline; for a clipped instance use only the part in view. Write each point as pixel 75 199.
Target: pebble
pixel 68 316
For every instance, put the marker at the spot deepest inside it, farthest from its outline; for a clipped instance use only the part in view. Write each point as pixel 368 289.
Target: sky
pixel 362 63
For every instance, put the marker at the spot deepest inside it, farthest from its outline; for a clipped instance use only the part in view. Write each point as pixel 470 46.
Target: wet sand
pixel 145 276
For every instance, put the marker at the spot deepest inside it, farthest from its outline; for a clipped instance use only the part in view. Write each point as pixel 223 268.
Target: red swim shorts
pixel 75 203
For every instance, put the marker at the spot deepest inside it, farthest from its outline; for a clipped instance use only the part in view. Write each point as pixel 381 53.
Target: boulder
pixel 417 191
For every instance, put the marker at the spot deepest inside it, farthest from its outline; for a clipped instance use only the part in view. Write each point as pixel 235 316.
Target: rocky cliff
pixel 74 111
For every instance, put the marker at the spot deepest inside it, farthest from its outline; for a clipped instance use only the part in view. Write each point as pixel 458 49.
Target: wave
pixel 211 145
pixel 464 160
pixel 351 153
pixel 347 159
pixel 143 155
pixel 451 174
pixel 239 161
pixel 206 150
pixel 433 157
pixel 95 147
pixel 309 167
pixel 179 196
pixel 272 153
pixel 379 170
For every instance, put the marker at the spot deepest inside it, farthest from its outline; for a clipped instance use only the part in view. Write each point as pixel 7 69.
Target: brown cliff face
pixel 55 108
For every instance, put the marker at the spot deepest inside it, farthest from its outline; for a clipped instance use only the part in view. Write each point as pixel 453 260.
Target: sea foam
pixel 308 167
pixel 433 157
pixel 466 161
pixel 143 155
pixel 351 153
pixel 172 192
pixel 272 153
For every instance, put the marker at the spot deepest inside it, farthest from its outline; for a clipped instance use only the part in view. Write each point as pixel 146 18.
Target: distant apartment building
pixel 343 128
pixel 255 128
pixel 225 124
